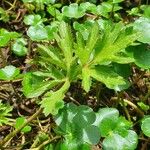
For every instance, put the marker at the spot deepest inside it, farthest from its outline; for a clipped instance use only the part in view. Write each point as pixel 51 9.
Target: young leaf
pixel 65 42
pixel 53 101
pixel 6 36
pixel 146 125
pixel 5 113
pixel 53 54
pixel 114 40
pixel 34 86
pixel 19 122
pixel 19 48
pixel 9 73
pixel 73 11
pixel 37 33
pixel 32 20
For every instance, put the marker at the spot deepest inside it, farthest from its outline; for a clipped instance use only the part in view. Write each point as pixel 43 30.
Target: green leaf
pixel 9 73
pixel 73 11
pixel 107 76
pixel 106 120
pixel 53 101
pixel 113 42
pixel 86 79
pixel 53 55
pixel 72 144
pixel 37 33
pixel 19 122
pixel 32 20
pixel 5 113
pixel 84 28
pixel 146 125
pixel 76 124
pixel 85 50
pixel 19 48
pixel 34 86
pixel 115 129
pixel 147 11
pixel 65 42
pixel 123 70
pixel 51 30
pixel 142 25
pixel 143 106
pixel 105 8
pixel 89 7
pixel 91 135
pixel 142 56
pixel 85 114
pixel 116 142
pixel 6 36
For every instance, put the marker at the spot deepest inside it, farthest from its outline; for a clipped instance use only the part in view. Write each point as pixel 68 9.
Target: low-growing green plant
pixel 81 128
pixel 80 43
pixel 79 59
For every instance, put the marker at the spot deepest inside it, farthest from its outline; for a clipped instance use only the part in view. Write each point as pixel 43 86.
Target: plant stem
pixel 12 134
pixel 13 5
pixel 46 142
pixel 134 106
pixel 126 111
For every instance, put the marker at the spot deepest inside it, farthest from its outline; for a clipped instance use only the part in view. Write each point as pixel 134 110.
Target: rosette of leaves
pixel 5 113
pixel 116 130
pixel 79 59
pixel 75 124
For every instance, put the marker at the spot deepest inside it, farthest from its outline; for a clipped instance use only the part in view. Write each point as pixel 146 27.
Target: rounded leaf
pixel 73 11
pixel 142 56
pixel 117 142
pixel 19 48
pixel 32 20
pixel 9 72
pixel 91 135
pixel 146 126
pixel 37 33
pixel 85 116
pixel 106 120
pixel 143 26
